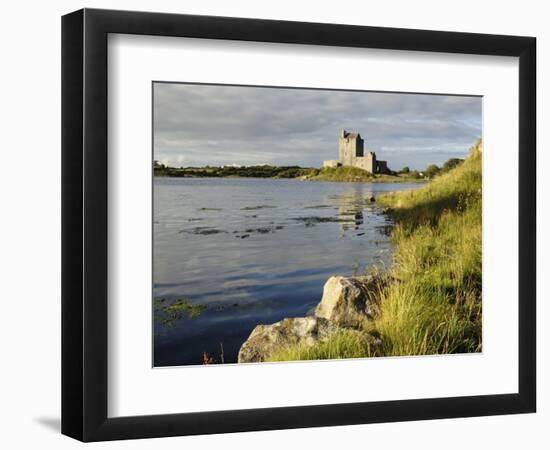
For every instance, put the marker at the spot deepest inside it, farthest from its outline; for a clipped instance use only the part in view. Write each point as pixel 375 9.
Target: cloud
pixel 214 124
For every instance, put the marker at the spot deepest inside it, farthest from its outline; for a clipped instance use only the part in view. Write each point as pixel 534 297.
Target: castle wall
pixel 331 163
pixel 349 149
pixel 346 151
pixel 367 163
pixel 382 167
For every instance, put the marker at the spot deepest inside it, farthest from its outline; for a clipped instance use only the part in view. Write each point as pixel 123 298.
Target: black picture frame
pixel 84 224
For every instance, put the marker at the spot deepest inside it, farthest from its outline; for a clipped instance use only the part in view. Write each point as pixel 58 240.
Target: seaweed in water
pixel 318 206
pixel 204 231
pixel 261 230
pixel 314 220
pixel 168 314
pixel 253 208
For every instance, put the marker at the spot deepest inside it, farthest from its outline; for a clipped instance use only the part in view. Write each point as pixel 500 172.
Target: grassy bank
pixel 433 303
pixel 354 174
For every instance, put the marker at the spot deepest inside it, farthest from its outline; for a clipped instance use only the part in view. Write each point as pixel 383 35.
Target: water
pixel 251 251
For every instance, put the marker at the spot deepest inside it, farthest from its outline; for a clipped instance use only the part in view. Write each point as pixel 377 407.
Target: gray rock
pixel 266 339
pixel 349 302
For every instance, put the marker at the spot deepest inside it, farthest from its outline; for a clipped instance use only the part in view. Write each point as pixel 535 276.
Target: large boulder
pixel 266 339
pixel 349 302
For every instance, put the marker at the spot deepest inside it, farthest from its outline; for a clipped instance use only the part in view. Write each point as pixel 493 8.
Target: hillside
pixel 353 174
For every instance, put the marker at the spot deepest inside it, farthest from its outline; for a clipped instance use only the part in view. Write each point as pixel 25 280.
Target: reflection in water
pixel 232 253
pixel 351 204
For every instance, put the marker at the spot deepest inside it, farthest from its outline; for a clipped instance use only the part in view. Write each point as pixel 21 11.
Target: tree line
pixel 432 170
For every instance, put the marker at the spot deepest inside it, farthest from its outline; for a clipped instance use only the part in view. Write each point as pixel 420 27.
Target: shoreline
pixel 428 302
pixel 299 179
pixel 340 173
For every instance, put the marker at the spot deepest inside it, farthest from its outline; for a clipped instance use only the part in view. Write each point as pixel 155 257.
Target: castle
pixel 350 153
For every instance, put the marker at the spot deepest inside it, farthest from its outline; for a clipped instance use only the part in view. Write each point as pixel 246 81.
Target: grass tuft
pixel 344 344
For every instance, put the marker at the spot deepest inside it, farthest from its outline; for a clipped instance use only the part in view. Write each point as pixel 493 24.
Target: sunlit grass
pixel 345 344
pixel 434 306
pixel 350 173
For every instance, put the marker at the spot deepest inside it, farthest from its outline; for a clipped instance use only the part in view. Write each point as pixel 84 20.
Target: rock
pixel 349 302
pixel 346 305
pixel 265 339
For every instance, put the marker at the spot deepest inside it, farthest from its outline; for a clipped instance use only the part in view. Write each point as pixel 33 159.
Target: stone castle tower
pixel 351 148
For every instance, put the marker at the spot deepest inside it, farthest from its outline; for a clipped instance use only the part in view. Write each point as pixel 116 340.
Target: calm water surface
pixel 250 251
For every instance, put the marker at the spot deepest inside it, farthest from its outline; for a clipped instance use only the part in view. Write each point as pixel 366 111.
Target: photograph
pixel 294 224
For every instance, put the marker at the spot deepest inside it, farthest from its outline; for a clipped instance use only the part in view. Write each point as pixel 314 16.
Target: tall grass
pixel 433 303
pixel 344 344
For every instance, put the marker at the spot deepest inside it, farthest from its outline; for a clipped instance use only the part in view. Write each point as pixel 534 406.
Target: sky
pixel 198 125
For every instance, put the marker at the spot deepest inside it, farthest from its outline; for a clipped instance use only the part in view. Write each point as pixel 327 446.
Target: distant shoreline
pixel 336 174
